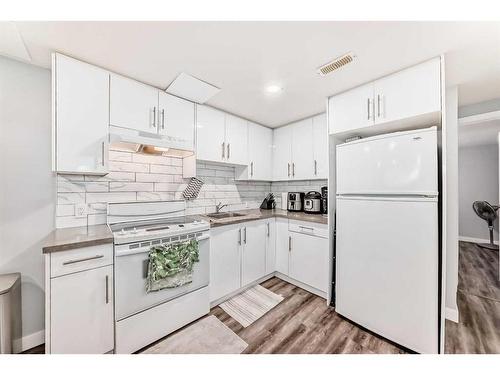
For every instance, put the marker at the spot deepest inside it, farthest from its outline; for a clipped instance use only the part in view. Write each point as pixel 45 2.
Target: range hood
pixel 121 139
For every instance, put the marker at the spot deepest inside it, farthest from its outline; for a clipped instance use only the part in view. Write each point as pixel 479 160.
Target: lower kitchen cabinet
pixel 282 246
pixel 253 262
pixel 241 254
pixel 79 301
pixel 82 312
pixel 309 260
pixel 225 261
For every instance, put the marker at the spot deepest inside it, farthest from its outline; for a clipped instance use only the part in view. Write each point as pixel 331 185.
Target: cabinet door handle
pixel 154 117
pixel 102 154
pixel 163 119
pixel 315 167
pixel 245 237
pixel 82 260
pixel 228 150
pixel 368 107
pixel 378 105
pixel 289 243
pixel 251 169
pixel 268 230
pixel 223 150
pixel 107 289
pixel 288 169
pixel 239 237
pixel 293 169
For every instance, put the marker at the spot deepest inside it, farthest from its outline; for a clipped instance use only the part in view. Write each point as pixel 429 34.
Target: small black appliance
pixel 295 202
pixel 324 200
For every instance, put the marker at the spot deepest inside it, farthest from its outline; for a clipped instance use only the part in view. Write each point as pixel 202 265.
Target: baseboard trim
pixel 451 314
pixel 475 240
pixel 29 341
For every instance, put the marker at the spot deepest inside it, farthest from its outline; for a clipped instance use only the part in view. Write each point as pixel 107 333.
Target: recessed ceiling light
pixel 274 89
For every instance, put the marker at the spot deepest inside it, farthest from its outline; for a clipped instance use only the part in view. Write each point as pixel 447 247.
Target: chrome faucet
pixel 219 207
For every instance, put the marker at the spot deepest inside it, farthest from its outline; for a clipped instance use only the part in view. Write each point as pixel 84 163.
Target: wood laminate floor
pixel 303 323
pixel 478 299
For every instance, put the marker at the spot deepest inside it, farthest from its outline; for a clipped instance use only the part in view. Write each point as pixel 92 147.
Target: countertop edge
pixel 75 245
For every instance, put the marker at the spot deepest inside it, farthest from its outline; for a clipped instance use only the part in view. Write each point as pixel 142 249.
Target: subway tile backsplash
pixel 138 177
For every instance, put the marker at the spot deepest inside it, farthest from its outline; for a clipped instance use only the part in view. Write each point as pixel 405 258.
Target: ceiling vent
pixel 338 63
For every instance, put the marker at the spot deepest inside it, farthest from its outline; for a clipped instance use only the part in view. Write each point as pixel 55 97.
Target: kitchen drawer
pixel 65 262
pixel 305 227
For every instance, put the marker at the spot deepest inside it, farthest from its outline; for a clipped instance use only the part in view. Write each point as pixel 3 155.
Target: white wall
pixel 27 188
pixel 478 180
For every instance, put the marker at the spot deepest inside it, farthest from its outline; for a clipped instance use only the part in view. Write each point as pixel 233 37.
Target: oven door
pixel 131 266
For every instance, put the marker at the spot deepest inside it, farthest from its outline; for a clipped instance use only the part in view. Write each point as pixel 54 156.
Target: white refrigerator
pixel 387 238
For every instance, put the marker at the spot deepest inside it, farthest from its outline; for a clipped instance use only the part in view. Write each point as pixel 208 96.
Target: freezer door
pixel 402 163
pixel 387 268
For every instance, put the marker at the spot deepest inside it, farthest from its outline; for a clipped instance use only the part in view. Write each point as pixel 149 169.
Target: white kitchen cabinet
pixel 260 153
pixel 282 246
pixel 411 92
pixel 320 146
pixel 80 117
pixel 270 246
pixel 352 109
pixel 79 300
pixel 225 261
pixel 210 134
pixel 133 105
pixel 236 140
pixel 282 153
pixel 302 149
pixel 309 260
pixel 253 264
pixel 410 97
pixel 221 137
pixel 176 119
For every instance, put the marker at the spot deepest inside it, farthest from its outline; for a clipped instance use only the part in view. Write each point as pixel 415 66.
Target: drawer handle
pixel 306 228
pixel 82 260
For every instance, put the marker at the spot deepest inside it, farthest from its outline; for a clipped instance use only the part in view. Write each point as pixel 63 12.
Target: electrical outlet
pixel 81 210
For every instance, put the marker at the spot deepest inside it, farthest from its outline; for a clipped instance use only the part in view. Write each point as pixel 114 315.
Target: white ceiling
pixel 243 57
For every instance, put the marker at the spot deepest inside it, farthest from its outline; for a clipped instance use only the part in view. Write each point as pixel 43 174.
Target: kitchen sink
pixel 223 215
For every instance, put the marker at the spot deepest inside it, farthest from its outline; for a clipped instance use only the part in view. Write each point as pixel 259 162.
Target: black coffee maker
pixel 324 200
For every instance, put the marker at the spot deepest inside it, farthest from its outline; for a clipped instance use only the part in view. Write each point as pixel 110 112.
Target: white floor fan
pixel 488 213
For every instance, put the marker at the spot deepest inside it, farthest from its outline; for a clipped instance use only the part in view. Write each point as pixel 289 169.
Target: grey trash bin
pixel 10 311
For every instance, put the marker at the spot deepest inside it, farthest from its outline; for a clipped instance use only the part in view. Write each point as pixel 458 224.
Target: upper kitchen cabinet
pixel 260 146
pixel 302 150
pixel 406 99
pixel 320 146
pixel 352 109
pixel 133 105
pixel 220 137
pixel 409 93
pixel 176 119
pixel 236 140
pixel 80 117
pixel 282 153
pixel 210 134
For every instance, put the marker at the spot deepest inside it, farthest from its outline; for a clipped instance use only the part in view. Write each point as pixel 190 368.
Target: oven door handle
pixel 125 252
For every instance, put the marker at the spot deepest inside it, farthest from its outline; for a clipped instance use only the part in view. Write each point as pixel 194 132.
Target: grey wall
pixel 478 180
pixel 27 186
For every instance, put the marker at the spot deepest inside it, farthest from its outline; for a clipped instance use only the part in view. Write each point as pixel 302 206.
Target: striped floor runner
pixel 251 304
